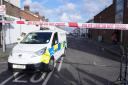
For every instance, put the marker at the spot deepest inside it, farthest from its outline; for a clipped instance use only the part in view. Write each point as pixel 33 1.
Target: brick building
pixel 125 20
pixel 13 31
pixel 26 14
pixel 117 12
pixel 29 16
pixel 106 16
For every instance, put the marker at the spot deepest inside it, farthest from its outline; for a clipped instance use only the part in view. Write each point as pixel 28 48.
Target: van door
pixel 55 43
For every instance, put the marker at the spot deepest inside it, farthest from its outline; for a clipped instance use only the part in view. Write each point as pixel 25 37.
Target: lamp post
pixel 121 37
pixel 3 31
pixel 20 27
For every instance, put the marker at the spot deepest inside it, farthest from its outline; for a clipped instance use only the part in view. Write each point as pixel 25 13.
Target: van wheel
pixel 50 65
pixel 10 70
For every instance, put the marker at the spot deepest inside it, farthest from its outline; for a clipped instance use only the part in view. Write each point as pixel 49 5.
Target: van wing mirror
pixel 56 42
pixel 18 40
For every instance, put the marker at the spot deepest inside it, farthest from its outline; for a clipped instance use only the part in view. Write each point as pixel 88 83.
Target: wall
pixel 126 12
pixel 17 12
pixel 12 10
pixel 13 31
pixel 106 16
pixel 125 36
pixel 29 16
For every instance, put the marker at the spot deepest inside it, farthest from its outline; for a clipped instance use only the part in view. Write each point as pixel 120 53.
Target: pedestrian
pixel 114 38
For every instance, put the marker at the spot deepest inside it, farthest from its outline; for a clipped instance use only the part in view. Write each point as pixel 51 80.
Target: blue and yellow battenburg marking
pixel 50 52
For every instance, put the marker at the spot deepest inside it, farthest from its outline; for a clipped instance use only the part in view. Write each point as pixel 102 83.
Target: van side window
pixel 55 39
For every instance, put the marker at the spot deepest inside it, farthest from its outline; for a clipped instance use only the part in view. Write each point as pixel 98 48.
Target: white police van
pixel 38 51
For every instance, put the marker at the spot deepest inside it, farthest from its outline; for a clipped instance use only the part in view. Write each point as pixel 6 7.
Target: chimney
pixel 37 13
pixel 43 18
pixel 26 8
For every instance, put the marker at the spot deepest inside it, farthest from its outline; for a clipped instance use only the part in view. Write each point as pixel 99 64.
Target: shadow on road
pixel 94 78
pixel 64 77
pixel 91 48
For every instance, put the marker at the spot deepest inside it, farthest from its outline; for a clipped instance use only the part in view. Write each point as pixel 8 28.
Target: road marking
pixel 15 74
pixel 8 79
pixel 39 80
pixel 20 81
pixel 60 64
pixel 32 79
pixel 48 77
pixel 102 65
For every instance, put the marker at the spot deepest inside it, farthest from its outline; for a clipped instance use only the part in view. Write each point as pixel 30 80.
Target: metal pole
pixel 3 36
pixel 1 2
pixel 121 37
pixel 20 27
pixel 3 31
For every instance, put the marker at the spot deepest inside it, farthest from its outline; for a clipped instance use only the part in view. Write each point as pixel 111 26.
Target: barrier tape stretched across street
pixel 73 24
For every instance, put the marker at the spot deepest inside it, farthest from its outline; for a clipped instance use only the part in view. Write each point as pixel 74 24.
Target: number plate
pixel 19 66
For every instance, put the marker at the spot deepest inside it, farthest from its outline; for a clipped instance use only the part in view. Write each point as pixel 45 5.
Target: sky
pixel 67 10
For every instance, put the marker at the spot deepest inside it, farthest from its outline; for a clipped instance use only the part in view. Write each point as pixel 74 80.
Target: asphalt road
pixel 84 64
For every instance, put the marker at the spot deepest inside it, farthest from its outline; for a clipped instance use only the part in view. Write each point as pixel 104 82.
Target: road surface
pixel 84 64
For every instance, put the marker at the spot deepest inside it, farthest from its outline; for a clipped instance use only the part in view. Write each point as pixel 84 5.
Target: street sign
pixel 2 9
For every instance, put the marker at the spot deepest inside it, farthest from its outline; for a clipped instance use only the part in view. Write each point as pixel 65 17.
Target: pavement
pixel 4 55
pixel 111 48
pixel 115 49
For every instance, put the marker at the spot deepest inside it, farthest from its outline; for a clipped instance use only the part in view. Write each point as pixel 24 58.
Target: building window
pixel 119 11
pixel 127 4
pixel 120 5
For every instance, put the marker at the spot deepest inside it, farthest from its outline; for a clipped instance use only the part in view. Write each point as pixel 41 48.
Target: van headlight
pixel 40 52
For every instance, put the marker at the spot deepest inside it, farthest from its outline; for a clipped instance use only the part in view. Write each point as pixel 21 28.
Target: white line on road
pixel 8 79
pixel 48 77
pixel 60 64
pixel 102 65
pixel 20 81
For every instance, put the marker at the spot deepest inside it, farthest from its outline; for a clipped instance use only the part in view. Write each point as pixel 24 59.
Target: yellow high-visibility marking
pixel 55 47
pixel 45 57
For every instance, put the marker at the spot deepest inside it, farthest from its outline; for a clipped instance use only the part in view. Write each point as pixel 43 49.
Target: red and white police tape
pixel 73 24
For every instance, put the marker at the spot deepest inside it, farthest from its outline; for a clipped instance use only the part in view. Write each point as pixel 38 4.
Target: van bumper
pixel 28 67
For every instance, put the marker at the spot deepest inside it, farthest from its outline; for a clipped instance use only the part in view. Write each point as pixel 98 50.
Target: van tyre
pixel 50 65
pixel 10 68
pixel 10 71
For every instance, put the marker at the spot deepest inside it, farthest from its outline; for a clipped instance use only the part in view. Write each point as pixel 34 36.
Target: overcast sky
pixel 67 10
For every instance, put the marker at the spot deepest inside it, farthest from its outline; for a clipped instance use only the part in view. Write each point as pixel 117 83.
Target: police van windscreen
pixel 37 38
